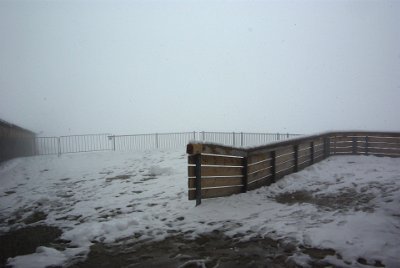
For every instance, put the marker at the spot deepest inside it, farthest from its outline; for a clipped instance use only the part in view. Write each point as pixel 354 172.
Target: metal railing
pixel 107 142
pixel 73 144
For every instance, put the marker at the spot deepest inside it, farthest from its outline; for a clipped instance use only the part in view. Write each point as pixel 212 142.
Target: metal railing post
pixel 59 146
pixel 156 140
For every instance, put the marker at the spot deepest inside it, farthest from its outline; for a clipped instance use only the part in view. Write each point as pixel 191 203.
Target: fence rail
pixel 104 142
pixel 217 170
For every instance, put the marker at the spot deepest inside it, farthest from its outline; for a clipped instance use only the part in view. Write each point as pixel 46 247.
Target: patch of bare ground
pixel 345 199
pixel 25 241
pixel 208 250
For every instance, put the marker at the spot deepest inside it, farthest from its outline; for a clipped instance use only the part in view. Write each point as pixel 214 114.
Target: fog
pixel 125 67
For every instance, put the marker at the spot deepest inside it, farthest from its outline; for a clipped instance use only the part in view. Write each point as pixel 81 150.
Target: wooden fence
pixel 15 141
pixel 216 170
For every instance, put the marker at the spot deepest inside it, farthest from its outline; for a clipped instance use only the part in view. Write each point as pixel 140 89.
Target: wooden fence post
pixel 327 147
pixel 354 145
pixel 296 157
pixel 312 152
pixel 366 145
pixel 273 166
pixel 245 180
pixel 198 179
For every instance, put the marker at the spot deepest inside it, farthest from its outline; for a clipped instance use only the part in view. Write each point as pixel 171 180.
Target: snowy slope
pixel 348 203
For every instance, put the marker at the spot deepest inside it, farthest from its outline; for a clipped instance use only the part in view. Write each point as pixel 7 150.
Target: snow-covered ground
pixel 347 203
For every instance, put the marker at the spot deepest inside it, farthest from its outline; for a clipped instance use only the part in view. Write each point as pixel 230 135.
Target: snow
pixel 347 203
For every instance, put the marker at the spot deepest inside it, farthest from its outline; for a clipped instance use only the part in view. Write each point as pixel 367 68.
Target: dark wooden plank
pixel 251 159
pixel 380 145
pixel 341 150
pixel 260 183
pixel 259 174
pixel 319 158
pixel 284 166
pixel 303 165
pixel 199 148
pixel 284 158
pixel 216 171
pixel 215 182
pixel 341 139
pixel 279 175
pixel 215 192
pixel 256 167
pixel 384 151
pixel 342 144
pixel 284 151
pixel 384 139
pixel 304 153
pixel 216 160
pixel 304 158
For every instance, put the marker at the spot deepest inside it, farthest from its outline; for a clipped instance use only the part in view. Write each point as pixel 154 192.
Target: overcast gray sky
pixel 75 67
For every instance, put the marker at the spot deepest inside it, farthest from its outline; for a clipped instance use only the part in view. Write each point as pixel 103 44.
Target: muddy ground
pixel 209 250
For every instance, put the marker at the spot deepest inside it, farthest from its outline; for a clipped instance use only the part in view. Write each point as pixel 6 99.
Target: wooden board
pixel 381 145
pixel 283 173
pixel 198 148
pixel 341 139
pixel 304 165
pixel 215 192
pixel 319 151
pixel 216 160
pixel 318 143
pixel 254 158
pixel 318 146
pixel 263 182
pixel 341 144
pixel 304 153
pixel 260 166
pixel 284 158
pixel 216 182
pixel 384 139
pixel 319 158
pixel 284 151
pixel 383 151
pixel 216 171
pixel 341 150
pixel 284 166
pixel 258 175
pixel 304 158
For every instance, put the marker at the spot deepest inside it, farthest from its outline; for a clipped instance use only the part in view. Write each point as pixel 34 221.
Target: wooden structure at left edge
pixel 216 170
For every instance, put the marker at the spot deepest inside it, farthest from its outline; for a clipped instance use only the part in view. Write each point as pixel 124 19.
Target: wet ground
pixel 209 250
pixel 25 241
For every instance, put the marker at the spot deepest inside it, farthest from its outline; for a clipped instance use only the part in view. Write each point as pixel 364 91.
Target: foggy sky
pixel 125 67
